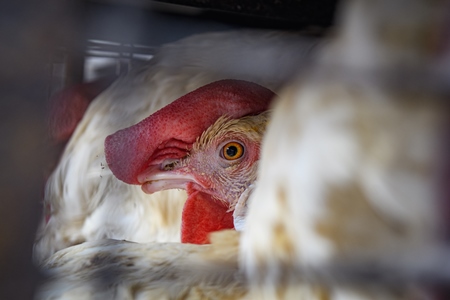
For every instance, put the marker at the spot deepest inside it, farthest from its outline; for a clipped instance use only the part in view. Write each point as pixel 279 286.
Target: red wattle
pixel 202 215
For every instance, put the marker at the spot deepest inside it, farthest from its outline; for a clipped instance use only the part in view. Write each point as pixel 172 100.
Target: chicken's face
pixel 189 144
pixel 219 168
pixel 223 168
pixel 222 162
pixel 226 165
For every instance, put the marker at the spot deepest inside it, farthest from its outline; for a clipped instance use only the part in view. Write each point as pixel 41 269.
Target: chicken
pixel 215 169
pixel 207 152
pixel 350 201
pixel 84 201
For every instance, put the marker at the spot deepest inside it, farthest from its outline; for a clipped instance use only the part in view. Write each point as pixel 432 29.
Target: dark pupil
pixel 232 151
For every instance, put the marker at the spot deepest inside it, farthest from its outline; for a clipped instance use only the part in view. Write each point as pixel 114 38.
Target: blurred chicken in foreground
pixel 351 199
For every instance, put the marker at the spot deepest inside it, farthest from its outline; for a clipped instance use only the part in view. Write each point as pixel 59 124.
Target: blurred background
pixel 51 44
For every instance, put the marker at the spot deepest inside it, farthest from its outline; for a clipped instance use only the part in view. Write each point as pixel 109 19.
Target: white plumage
pixel 349 191
pixel 347 204
pixel 109 269
pixel 86 201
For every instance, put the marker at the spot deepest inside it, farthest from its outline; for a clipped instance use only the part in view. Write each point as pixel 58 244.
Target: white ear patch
pixel 240 211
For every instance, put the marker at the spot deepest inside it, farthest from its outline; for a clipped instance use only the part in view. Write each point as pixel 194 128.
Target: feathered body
pixel 110 269
pixel 84 201
pixel 356 200
pixel 350 196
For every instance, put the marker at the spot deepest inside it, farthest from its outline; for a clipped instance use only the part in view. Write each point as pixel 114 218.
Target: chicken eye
pixel 232 151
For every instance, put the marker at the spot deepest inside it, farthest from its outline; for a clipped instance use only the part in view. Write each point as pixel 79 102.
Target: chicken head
pixel 219 168
pixel 210 151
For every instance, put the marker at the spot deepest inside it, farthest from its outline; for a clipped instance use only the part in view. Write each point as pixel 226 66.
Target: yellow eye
pixel 232 150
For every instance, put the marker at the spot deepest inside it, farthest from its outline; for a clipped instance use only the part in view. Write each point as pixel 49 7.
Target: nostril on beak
pixel 169 164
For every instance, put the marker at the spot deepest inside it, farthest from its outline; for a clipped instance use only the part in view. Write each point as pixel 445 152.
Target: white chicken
pixel 352 200
pixel 349 202
pixel 85 201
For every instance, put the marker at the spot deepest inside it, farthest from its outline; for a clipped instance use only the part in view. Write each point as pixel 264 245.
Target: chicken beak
pixel 164 176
